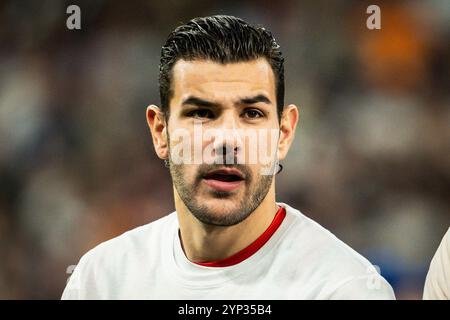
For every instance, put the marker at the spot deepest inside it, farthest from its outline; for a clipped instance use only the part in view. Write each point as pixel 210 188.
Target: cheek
pixel 181 145
pixel 196 144
pixel 262 149
pixel 190 173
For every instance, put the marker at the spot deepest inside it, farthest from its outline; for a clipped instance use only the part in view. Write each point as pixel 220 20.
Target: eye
pixel 253 114
pixel 201 113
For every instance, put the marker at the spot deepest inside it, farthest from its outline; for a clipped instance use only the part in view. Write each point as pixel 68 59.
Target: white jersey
pixel 301 260
pixel 437 284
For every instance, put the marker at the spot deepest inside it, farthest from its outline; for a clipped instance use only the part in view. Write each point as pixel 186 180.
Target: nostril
pixel 226 149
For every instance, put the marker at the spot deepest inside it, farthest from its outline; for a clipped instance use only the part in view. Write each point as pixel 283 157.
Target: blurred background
pixel 371 160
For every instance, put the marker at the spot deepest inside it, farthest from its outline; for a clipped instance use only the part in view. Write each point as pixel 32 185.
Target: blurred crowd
pixel 371 160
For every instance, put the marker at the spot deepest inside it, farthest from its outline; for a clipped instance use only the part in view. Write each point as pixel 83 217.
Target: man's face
pixel 225 117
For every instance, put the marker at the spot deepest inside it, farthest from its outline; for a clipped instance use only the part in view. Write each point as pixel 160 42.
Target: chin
pixel 220 203
pixel 222 206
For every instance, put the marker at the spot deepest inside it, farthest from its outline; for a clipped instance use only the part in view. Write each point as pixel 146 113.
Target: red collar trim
pixel 253 247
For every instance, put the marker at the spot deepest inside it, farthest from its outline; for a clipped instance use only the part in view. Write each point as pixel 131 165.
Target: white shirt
pixel 437 283
pixel 301 260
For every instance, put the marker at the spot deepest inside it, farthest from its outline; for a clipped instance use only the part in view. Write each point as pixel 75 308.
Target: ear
pixel 158 128
pixel 288 125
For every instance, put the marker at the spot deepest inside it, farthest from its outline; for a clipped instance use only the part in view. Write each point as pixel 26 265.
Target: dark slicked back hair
pixel 222 39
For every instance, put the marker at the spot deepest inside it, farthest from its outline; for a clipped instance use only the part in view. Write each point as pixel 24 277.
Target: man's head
pixel 225 77
pixel 221 39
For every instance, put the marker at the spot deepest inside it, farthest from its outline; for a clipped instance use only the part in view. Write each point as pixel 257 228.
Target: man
pixel 222 89
pixel 437 283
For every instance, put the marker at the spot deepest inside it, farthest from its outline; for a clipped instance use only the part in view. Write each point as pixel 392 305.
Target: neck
pixel 204 243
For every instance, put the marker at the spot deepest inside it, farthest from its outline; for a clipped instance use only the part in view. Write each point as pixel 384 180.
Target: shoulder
pixel 437 283
pixel 132 240
pixel 344 271
pixel 319 244
pixel 118 256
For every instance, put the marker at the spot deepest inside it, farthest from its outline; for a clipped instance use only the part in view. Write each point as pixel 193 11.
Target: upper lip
pixel 225 171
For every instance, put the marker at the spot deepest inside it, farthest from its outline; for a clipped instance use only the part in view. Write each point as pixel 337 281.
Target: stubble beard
pixel 252 197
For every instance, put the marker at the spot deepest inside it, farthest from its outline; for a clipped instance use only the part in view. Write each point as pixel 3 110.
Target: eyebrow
pixel 196 101
pixel 256 99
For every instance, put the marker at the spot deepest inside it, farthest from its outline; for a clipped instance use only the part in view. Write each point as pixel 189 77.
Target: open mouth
pixel 224 179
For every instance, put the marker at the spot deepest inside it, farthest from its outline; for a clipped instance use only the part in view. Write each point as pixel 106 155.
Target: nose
pixel 228 143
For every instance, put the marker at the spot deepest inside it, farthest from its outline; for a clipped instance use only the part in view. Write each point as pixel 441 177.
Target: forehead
pixel 222 81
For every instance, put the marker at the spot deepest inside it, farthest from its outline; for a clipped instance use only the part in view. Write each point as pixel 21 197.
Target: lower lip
pixel 224 186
